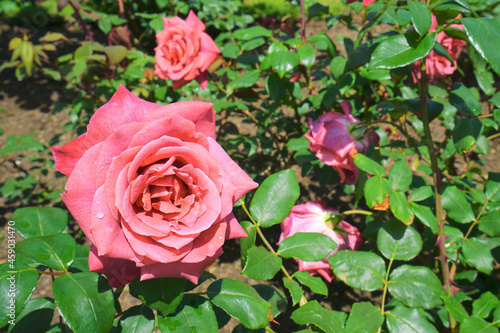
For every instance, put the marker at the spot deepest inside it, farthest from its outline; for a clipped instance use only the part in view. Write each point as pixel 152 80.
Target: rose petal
pixel 67 156
pixel 118 272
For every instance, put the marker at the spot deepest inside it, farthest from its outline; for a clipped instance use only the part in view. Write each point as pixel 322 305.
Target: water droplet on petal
pixel 98 202
pixel 107 162
pixel 100 215
pixel 102 168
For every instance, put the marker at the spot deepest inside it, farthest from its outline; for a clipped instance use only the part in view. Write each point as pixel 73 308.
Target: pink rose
pixel 437 66
pixel 365 2
pixel 184 51
pixel 332 142
pixel 151 189
pixel 315 217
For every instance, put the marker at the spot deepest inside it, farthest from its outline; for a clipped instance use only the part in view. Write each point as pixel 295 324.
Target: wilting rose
pixel 437 66
pixel 365 2
pixel 333 144
pixel 120 36
pixel 184 51
pixel 314 216
pixel 151 189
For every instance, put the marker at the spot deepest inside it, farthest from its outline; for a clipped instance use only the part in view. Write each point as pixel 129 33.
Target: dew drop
pixel 107 162
pixel 102 168
pixel 100 215
pixel 98 202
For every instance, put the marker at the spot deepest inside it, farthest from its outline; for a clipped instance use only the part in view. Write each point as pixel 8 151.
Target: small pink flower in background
pixel 437 66
pixel 314 216
pixel 184 51
pixel 366 3
pixel 333 144
pixel 151 189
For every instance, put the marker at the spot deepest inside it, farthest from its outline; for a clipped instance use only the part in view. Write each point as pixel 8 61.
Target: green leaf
pixel 364 318
pixel 361 270
pixel 368 165
pixel 163 294
pixel 421 193
pixel 426 216
pixel 105 25
pixel 35 317
pixel 464 100
pixel 478 255
pixel 313 313
pixel 249 33
pixel 196 317
pixel 115 53
pixel 247 242
pixel 420 16
pixel 399 242
pixel 323 43
pixel 21 142
pixel 337 66
pixel 465 134
pixel 492 191
pixel 376 189
pixel 475 324
pixel 400 176
pixel 240 301
pixel 261 264
pixel 274 198
pixel 306 55
pixel 275 297
pixel 81 261
pixel 416 287
pixel 483 306
pixel 27 55
pixel 245 81
pixel 456 205
pixel 40 221
pixel 86 302
pixel 17 283
pixel 401 208
pixel 316 284
pixel 484 35
pixel 275 87
pixel 397 51
pixel 54 251
pixel 490 224
pixel 137 319
pixel 294 288
pixel 307 246
pixel 402 319
pixel 284 62
pixel 454 308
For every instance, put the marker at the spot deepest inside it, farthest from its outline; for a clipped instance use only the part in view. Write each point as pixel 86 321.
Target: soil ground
pixel 29 105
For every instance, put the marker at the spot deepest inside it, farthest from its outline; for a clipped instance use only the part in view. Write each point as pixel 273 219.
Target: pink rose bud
pixel 315 217
pixel 333 144
pixel 437 66
pixel 151 189
pixel 184 51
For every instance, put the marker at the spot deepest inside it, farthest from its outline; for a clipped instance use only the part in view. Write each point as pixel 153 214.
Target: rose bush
pixel 314 216
pixel 184 51
pixel 333 143
pixel 151 188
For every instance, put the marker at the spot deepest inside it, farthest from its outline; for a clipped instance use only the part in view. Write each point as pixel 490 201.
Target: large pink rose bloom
pixel 151 189
pixel 314 217
pixel 184 51
pixel 333 144
pixel 437 66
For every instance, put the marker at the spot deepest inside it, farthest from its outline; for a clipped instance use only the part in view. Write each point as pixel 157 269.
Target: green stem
pixel 436 175
pixel 357 211
pixel 491 137
pixel 303 300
